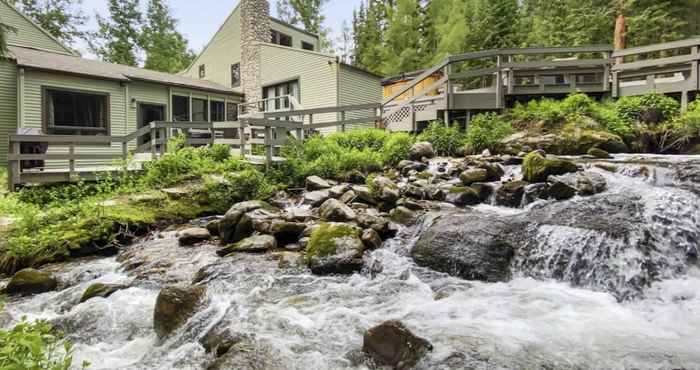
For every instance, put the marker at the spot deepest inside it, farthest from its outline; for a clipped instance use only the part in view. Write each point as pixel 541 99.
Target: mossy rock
pixel 473 175
pixel 537 168
pixel 402 215
pixel 31 281
pixel 101 290
pixel 174 306
pixel 580 142
pixel 464 196
pixel 598 153
pixel 323 242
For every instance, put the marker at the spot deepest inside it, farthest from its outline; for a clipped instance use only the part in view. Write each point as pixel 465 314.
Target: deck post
pixel 125 151
pixel 342 121
pixel 153 141
pixel 499 83
pixel 694 79
pixel 606 73
pixel 684 101
pixel 13 170
pixel 268 146
pixel 311 122
pixel 241 133
pixel 71 161
pixel 615 84
pixel 414 127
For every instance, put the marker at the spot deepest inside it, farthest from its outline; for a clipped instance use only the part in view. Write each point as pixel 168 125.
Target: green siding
pixel 8 106
pixel 358 87
pixel 316 72
pixel 28 34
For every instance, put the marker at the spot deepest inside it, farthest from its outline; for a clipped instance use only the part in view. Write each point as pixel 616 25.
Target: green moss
pixel 322 242
pixel 537 168
pixel 598 153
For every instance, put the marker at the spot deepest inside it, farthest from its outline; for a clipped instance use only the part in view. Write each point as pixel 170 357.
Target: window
pixel 278 91
pixel 202 71
pixel 199 110
pixel 307 46
pixel 217 111
pixel 587 78
pixel 181 108
pixel 231 112
pixel 236 75
pixel 524 80
pixel 75 113
pixel 554 79
pixel 280 38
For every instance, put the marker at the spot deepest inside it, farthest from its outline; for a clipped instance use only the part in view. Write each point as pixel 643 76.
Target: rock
pixel 229 228
pixel 473 175
pixel 220 341
pixel 537 168
pixel 335 249
pixel 483 189
pixel 253 244
pixel 227 225
pixel 348 197
pixel 471 245
pixel 606 166
pixel 101 290
pixel 371 239
pixel 511 194
pixel 174 306
pixel 252 205
pixel 284 231
pixel 598 153
pixel 402 215
pixel 316 183
pixel 364 194
pixel 413 206
pixel 486 153
pixel 334 210
pixel 290 260
pixel 192 236
pixel 355 177
pixel 250 354
pixel 338 190
pixel 559 191
pixel 535 192
pixel 463 196
pixel 213 227
pixel 406 166
pixel 386 190
pixel 376 223
pixel 584 183
pixel 316 198
pixel 421 150
pixel 494 170
pixel 392 344
pixel 31 281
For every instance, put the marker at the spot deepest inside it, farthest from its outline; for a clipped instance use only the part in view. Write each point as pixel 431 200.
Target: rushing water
pixel 313 322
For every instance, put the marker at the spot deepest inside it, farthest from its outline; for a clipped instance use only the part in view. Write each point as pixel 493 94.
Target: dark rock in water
pixel 371 239
pixel 559 190
pixel 537 168
pixel 213 227
pixel 421 150
pixel 316 183
pixel 219 341
pixel 284 231
pixel 535 192
pixel 192 236
pixel 392 344
pixel 598 153
pixel 402 215
pixel 511 194
pixel 334 210
pixel 376 223
pixel 494 170
pixel 253 244
pixel 174 306
pixel 473 175
pixel 101 290
pixel 470 245
pixel 335 249
pixel 30 281
pixel 583 183
pixel 407 166
pixel 463 196
pixel 229 228
pixel 355 177
pixel 249 354
pixel 484 190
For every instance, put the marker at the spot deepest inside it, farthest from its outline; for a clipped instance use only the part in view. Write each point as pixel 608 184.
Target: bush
pixel 578 104
pixel 396 148
pixel 486 131
pixel 547 111
pixel 236 187
pixel 649 109
pixel 445 140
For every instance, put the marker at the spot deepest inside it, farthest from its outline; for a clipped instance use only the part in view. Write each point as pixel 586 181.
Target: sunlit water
pixel 313 322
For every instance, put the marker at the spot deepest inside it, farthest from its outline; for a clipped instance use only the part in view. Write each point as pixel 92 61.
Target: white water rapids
pixel 314 322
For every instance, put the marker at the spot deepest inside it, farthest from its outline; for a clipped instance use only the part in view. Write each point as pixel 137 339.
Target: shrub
pixel 548 111
pixel 396 148
pixel 445 140
pixel 236 187
pixel 650 108
pixel 578 104
pixel 606 114
pixel 486 131
pixel 689 122
pixel 368 138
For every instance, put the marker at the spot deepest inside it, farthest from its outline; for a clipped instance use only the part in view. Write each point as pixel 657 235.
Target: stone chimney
pixel 255 27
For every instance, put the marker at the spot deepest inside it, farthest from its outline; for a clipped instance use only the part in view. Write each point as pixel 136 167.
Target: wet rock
pixel 402 215
pixel 174 306
pixel 484 190
pixel 30 281
pixel 364 194
pixel 227 225
pixel 421 150
pixel 355 177
pixel 335 249
pixel 537 168
pixel 606 167
pixel 535 192
pixel 486 153
pixel 559 190
pixel 584 183
pixel 249 354
pixel 219 341
pixel 473 175
pixel 406 166
pixel 213 227
pixel 598 153
pixel 511 194
pixel 334 210
pixel 316 198
pixel 253 244
pixel 316 183
pixel 413 206
pixel 376 223
pixel 338 190
pixel 392 344
pixel 237 224
pixel 348 197
pixel 284 231
pixel 289 260
pixel 494 170
pixel 471 245
pixel 101 290
pixel 371 239
pixel 463 196
pixel 191 236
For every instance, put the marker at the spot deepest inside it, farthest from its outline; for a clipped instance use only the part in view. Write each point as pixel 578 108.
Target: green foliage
pixel 445 140
pixel 649 109
pixel 396 148
pixel 63 19
pixel 33 346
pixel 547 111
pixel 486 131
pixel 166 49
pixel 578 104
pixel 236 187
pixel 689 122
pixel 118 38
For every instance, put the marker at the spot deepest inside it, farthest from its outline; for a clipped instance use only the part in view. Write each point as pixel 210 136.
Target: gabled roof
pixel 48 61
pixel 38 27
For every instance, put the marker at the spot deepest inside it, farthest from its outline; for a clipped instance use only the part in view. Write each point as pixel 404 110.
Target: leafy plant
pixel 486 131
pixel 650 108
pixel 445 140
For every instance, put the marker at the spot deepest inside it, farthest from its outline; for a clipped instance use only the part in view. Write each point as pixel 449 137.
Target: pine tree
pixel 570 22
pixel 309 14
pixel 63 19
pixel 652 22
pixel 165 48
pixel 344 42
pixel 286 13
pixel 369 36
pixel 118 38
pixel 436 12
pixel 400 52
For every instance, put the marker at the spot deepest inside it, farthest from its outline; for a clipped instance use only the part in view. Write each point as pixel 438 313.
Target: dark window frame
pixel 308 46
pixel 205 105
pixel 172 107
pixel 556 76
pixel 212 111
pixel 277 86
pixel 580 78
pixel 94 131
pixel 202 71
pixel 231 111
pixel 276 37
pixel 236 82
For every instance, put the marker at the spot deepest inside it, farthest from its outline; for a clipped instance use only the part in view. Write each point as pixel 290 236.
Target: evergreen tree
pixel 570 22
pixel 344 42
pixel 369 36
pixel 118 38
pixel 165 48
pixel 436 12
pixel 286 13
pixel 652 22
pixel 400 52
pixel 61 18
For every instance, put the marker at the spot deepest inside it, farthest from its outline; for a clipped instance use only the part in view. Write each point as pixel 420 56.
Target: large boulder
pixel 335 248
pixel 537 168
pixel 237 223
pixel 31 281
pixel 421 150
pixel 101 290
pixel 192 236
pixel 284 231
pixel 316 183
pixel 402 215
pixel 463 196
pixel 392 344
pixel 174 306
pixel 385 189
pixel 473 175
pixel 598 153
pixel 316 198
pixel 253 244
pixel 584 183
pixel 334 210
pixel 511 194
pixel 249 354
pixel 471 245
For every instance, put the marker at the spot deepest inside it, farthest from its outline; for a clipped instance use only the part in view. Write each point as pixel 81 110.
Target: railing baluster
pixel 71 161
pixel 342 121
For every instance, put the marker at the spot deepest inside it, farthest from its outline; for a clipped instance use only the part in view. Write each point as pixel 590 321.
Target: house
pixel 47 88
pixel 268 60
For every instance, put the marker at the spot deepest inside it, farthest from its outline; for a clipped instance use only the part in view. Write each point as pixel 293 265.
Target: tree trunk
pixel 620 39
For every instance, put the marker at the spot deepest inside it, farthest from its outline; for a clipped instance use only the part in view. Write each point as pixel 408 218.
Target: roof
pixel 37 26
pixel 49 61
pixel 406 76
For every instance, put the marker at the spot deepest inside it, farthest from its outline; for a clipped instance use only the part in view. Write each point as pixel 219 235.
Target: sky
pixel 200 19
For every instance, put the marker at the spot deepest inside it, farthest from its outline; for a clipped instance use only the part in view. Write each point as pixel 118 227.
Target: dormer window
pixel 280 38
pixel 307 46
pixel 202 71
